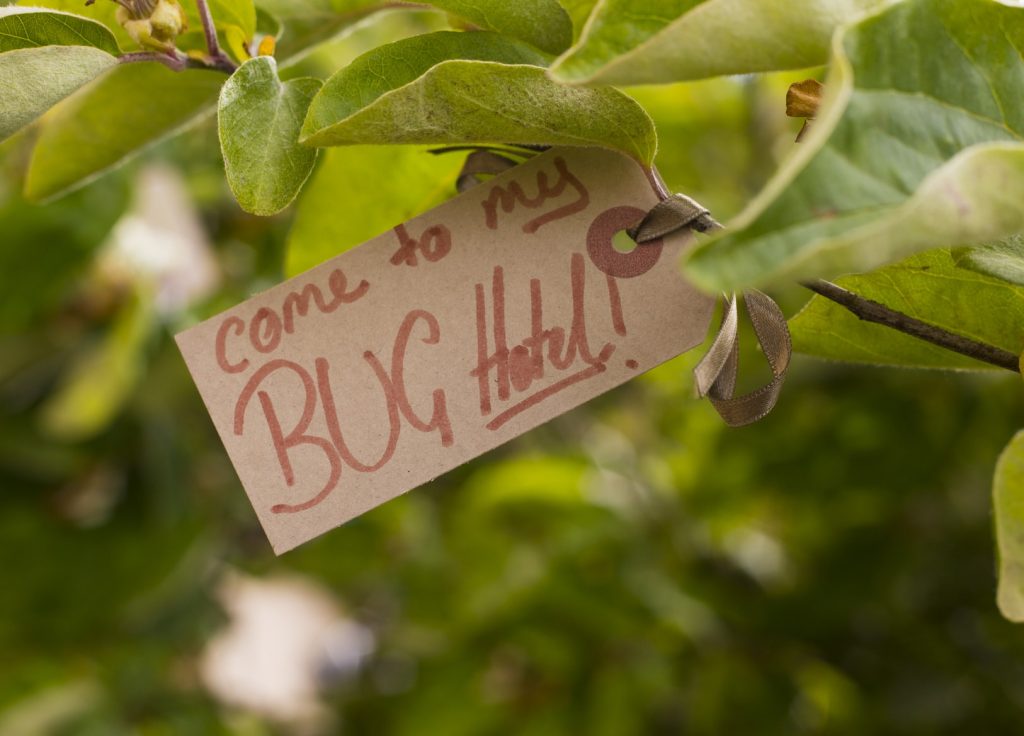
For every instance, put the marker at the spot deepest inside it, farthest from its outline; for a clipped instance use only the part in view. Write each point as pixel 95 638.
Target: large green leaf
pixel 306 23
pixel 259 118
pixel 659 41
pixel 928 286
pixel 132 106
pixel 22 28
pixel 40 76
pixel 1008 505
pixel 36 79
pixel 102 12
pixel 543 23
pixel 917 145
pixel 407 181
pixel 579 11
pixel 469 87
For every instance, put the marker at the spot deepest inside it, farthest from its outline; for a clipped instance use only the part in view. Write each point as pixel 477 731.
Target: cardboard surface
pixel 441 339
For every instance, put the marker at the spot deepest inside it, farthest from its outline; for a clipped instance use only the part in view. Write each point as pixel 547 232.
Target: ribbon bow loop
pixel 715 375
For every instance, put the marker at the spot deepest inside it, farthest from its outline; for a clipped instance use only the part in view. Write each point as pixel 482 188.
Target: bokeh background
pixel 634 567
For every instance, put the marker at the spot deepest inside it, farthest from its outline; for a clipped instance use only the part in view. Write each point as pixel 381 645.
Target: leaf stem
pixel 218 59
pixel 872 311
pixel 210 31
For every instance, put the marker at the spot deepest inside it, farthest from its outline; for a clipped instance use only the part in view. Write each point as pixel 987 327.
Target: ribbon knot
pixel 675 212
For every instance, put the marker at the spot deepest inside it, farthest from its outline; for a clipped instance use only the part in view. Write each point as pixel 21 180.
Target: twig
pixel 218 59
pixel 179 62
pixel 175 63
pixel 871 311
pixel 220 64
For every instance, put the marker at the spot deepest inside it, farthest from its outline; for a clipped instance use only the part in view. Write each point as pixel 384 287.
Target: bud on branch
pixel 153 24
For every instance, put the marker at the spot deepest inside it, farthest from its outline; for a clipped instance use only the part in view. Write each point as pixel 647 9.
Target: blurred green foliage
pixel 631 568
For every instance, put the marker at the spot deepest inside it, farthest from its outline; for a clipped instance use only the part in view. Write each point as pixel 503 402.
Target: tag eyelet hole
pixel 622 242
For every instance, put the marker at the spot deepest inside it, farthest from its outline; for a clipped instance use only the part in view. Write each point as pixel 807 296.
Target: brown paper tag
pixel 439 340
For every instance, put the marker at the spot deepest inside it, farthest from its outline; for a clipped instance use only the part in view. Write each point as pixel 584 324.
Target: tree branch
pixel 871 311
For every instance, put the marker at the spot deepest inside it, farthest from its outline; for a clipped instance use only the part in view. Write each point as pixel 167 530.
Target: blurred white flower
pixel 161 242
pixel 284 636
pixel 759 554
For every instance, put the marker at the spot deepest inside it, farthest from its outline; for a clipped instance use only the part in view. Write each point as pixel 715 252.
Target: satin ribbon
pixel 715 375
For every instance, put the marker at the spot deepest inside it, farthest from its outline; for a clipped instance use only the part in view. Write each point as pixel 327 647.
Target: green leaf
pixel 542 23
pixel 531 480
pixel 236 43
pixel 129 108
pixel 661 41
pixel 41 75
pixel 101 12
pixel 579 11
pixel 930 287
pixel 229 17
pixel 1003 260
pixel 404 181
pixel 469 87
pixel 102 378
pixel 22 28
pixel 267 24
pixel 225 13
pixel 307 23
pixel 72 230
pixel 259 118
pixel 1008 505
pixel 36 79
pixel 917 145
